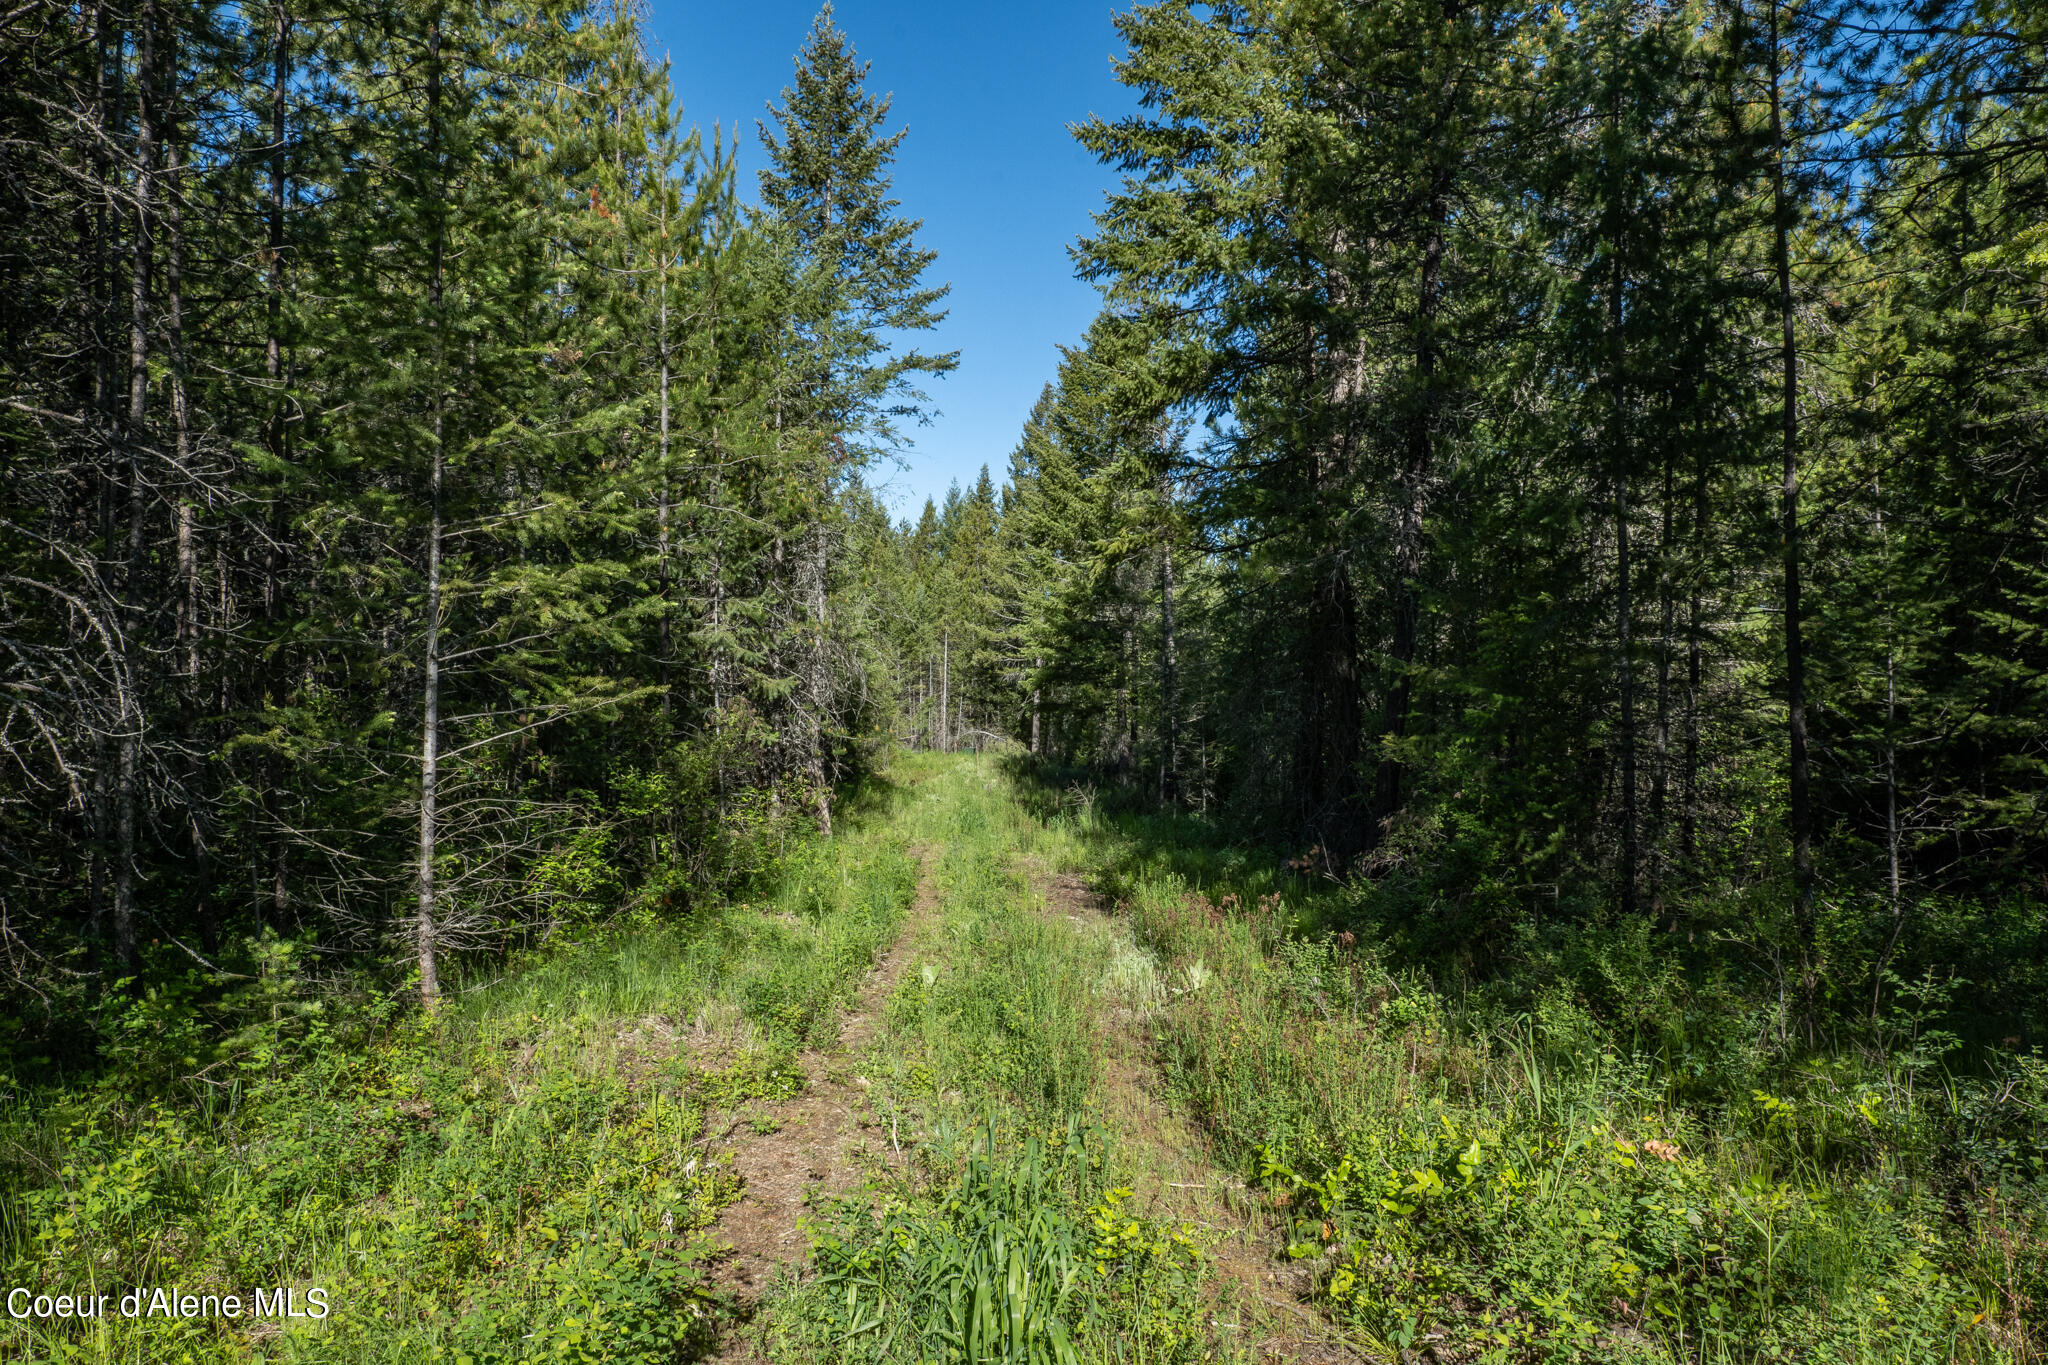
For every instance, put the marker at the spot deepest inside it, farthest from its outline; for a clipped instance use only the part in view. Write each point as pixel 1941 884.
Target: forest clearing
pixel 1459 774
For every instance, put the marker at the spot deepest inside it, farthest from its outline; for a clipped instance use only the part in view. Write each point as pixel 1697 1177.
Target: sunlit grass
pixel 1006 1239
pixel 527 1175
pixel 520 1176
pixel 1528 1187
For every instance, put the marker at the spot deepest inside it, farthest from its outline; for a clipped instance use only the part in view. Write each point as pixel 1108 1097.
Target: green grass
pixel 1529 1187
pixel 535 1174
pixel 1010 1240
pixel 524 1177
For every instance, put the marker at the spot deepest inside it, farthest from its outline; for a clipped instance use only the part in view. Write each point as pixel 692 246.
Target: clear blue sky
pixel 987 91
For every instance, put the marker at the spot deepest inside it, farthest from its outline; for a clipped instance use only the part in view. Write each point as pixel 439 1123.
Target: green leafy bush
pixel 524 1176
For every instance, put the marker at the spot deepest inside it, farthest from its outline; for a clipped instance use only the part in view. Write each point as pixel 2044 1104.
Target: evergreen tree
pixel 861 280
pixel 373 376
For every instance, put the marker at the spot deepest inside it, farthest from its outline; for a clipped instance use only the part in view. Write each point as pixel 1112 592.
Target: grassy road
pixel 998 1075
pixel 1048 1202
pixel 1157 1110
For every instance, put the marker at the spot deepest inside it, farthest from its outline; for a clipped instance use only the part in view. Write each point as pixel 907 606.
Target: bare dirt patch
pixel 823 1142
pixel 1175 1179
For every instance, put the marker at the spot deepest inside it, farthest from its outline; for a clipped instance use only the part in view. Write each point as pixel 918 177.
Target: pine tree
pixel 828 191
pixel 1290 208
pixel 861 272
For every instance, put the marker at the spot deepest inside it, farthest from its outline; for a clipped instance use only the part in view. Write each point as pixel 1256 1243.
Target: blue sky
pixel 987 92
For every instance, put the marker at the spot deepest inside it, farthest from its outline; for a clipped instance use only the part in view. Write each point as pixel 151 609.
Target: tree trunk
pixel 192 693
pixel 1169 684
pixel 1419 459
pixel 1795 649
pixel 142 264
pixel 126 776
pixel 142 260
pixel 1624 603
pixel 1037 708
pixel 427 928
pixel 99 269
pixel 1128 705
pixel 100 819
pixel 181 418
pixel 1660 779
pixel 1334 721
pixel 1892 838
pixel 715 576
pixel 819 679
pixel 1118 755
pixel 664 645
pixel 274 431
pixel 108 39
pixel 1688 835
pixel 273 344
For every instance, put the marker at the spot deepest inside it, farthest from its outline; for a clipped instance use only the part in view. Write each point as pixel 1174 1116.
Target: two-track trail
pixel 1173 1175
pixel 1007 958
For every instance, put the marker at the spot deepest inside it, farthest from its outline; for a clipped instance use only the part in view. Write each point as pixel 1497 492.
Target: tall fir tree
pixel 826 190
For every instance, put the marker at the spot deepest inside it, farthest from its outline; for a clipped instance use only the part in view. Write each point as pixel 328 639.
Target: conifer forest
pixel 1475 791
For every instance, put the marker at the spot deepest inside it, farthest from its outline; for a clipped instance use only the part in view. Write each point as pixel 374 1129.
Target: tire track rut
pixel 826 1139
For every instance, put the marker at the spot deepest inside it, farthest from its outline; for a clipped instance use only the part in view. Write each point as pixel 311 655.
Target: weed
pixel 529 1175
pixel 1522 1187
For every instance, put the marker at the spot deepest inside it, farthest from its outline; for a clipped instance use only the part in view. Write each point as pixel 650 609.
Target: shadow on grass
pixel 1652 1084
pixel 1131 839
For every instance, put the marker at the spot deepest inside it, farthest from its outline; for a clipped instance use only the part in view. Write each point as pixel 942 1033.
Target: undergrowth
pixel 1555 1183
pixel 1489 1171
pixel 528 1174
